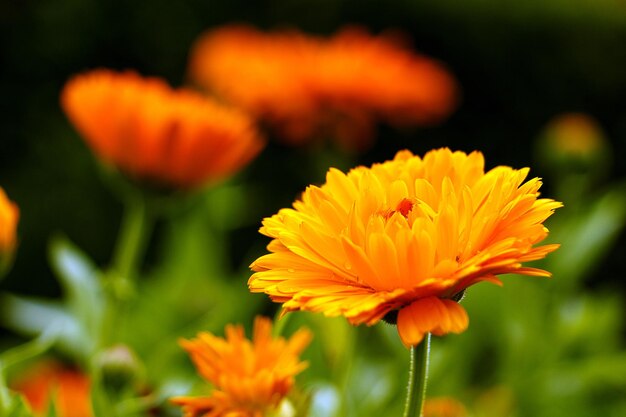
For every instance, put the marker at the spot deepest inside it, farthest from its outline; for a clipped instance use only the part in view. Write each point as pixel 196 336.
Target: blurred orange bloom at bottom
pixel 444 407
pixel 50 382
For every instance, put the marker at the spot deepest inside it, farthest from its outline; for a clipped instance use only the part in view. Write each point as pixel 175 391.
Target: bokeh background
pixel 519 65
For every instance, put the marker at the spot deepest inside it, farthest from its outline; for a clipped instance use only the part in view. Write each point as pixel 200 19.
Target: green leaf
pixel 158 318
pixel 586 237
pixel 81 281
pixel 37 317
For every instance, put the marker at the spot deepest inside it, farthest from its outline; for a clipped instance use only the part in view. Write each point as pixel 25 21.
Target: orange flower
pixel 404 237
pixel 575 134
pixel 444 407
pixel 306 86
pixel 67 389
pixel 250 377
pixel 175 137
pixel 9 216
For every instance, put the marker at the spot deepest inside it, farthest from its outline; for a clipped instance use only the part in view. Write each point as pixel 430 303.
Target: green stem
pixel 127 257
pixel 132 239
pixel 345 365
pixel 129 250
pixel 418 371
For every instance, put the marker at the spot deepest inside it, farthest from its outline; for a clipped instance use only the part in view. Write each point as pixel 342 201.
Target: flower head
pixel 9 216
pixel 404 237
pixel 305 86
pixel 250 377
pixel 49 382
pixel 149 131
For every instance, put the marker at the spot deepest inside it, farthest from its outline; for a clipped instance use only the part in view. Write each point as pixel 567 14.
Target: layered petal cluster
pixel 50 382
pixel 9 216
pixel 177 138
pixel 250 377
pixel 405 237
pixel 306 86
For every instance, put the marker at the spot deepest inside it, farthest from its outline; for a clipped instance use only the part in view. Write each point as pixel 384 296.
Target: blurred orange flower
pixel 149 131
pixel 575 133
pixel 306 86
pixel 444 407
pixel 405 237
pixel 9 216
pixel 250 378
pixel 51 382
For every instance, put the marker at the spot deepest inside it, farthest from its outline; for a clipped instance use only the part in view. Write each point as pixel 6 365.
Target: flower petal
pixel 430 315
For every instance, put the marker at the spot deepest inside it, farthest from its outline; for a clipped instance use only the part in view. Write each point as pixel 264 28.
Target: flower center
pixel 404 207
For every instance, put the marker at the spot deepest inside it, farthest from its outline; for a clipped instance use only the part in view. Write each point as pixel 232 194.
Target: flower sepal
pixel 119 368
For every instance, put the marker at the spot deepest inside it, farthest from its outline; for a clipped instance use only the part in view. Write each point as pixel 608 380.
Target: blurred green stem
pixel 132 238
pixel 418 371
pixel 345 370
pixel 129 250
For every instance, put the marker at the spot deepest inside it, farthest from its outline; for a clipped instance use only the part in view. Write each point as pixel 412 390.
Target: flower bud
pixel 575 153
pixel 119 367
pixel 574 142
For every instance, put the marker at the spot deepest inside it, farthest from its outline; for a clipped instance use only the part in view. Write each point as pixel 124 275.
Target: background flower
pixel 309 87
pixel 9 216
pixel 250 377
pixel 51 382
pixel 408 235
pixel 173 137
pixel 444 407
